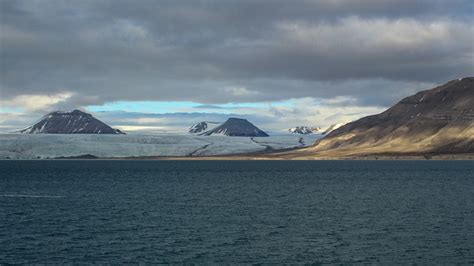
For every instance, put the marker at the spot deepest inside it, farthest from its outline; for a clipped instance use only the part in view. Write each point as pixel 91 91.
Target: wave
pixel 29 196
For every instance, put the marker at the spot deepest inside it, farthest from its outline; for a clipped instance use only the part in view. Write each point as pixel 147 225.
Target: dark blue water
pixel 237 211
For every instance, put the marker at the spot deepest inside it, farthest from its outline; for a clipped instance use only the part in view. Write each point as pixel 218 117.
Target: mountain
pixel 236 127
pixel 75 122
pixel 304 130
pixel 333 127
pixel 308 130
pixel 436 121
pixel 202 127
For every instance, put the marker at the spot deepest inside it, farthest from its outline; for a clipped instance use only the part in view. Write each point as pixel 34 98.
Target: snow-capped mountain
pixel 236 127
pixel 304 130
pixel 75 122
pixel 202 127
pixel 317 130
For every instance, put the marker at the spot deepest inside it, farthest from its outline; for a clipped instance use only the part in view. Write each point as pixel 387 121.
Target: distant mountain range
pixel 314 130
pixel 436 121
pixel 236 127
pixel 75 122
pixel 304 130
pixel 203 127
pixel 78 122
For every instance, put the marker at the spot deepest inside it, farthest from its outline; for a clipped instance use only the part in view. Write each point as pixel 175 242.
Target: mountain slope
pixel 333 127
pixel 75 122
pixel 440 120
pixel 236 127
pixel 202 127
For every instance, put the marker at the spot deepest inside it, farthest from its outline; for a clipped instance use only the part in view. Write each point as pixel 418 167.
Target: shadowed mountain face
pixel 236 127
pixel 75 122
pixel 198 128
pixel 440 120
pixel 202 127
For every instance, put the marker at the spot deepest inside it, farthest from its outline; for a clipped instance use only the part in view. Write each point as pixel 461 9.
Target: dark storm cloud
pixel 208 106
pixel 232 51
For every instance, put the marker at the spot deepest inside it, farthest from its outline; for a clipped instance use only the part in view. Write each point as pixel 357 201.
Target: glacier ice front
pixel 39 146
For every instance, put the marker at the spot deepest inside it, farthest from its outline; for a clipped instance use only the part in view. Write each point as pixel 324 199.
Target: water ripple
pixel 235 212
pixel 29 196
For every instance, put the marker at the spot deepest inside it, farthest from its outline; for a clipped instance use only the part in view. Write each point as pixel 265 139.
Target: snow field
pixel 42 146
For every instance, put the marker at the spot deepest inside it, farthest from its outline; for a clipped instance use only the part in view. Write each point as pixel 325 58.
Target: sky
pixel 152 66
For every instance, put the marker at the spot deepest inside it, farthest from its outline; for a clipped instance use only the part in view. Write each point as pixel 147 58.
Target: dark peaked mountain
pixel 236 127
pixel 75 122
pixel 440 120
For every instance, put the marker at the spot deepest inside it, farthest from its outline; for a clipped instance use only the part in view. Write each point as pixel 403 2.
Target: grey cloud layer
pixel 232 51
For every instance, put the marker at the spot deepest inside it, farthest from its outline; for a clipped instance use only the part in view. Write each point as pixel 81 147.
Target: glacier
pixel 48 146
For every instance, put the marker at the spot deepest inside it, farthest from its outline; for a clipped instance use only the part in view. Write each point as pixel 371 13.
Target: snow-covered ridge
pixel 203 126
pixel 304 130
pixel 316 130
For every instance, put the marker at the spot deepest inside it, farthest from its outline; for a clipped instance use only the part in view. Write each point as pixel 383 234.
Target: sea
pixel 236 212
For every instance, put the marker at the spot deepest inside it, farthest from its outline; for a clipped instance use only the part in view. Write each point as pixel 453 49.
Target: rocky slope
pixel 332 128
pixel 202 127
pixel 75 122
pixel 436 121
pixel 236 127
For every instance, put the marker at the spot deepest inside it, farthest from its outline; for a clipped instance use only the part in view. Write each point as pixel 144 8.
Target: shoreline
pixel 404 157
